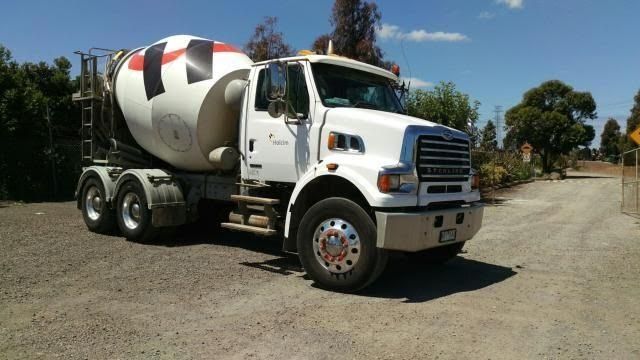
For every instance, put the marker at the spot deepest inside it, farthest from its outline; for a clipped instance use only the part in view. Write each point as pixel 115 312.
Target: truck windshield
pixel 340 86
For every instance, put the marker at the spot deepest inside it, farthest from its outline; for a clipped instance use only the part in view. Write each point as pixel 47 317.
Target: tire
pixel 98 217
pixel 337 246
pixel 438 255
pixel 133 214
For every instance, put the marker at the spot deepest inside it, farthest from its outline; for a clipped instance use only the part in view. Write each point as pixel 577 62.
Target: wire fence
pixel 33 170
pixel 630 203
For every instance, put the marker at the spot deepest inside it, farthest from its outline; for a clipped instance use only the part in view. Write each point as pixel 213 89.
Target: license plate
pixel 447 235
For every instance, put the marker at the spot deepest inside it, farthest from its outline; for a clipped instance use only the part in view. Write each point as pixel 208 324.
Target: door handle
pixel 297 120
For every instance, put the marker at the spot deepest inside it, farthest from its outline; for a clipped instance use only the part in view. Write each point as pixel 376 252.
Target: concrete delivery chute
pixel 314 148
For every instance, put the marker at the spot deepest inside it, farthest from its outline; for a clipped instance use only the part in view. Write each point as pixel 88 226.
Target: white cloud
pixel 387 31
pixel 417 83
pixel 393 32
pixel 422 35
pixel 486 15
pixel 512 4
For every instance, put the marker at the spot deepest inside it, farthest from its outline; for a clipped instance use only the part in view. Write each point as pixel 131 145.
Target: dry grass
pixel 605 168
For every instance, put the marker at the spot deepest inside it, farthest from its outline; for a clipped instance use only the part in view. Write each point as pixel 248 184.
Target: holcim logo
pixel 274 141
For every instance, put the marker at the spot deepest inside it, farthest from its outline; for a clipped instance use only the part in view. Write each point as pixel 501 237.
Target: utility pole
pixel 498 110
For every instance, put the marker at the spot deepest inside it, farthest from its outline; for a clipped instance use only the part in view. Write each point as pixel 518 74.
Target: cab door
pixel 278 149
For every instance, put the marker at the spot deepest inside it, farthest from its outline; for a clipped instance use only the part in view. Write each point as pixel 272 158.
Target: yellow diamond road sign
pixel 635 135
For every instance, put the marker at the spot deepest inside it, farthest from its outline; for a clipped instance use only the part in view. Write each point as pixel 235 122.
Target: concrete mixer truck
pixel 315 149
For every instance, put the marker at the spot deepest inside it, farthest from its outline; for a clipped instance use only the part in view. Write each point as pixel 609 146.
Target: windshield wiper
pixel 365 105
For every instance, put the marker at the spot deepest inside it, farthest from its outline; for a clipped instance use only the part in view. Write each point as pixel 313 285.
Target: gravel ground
pixel 553 274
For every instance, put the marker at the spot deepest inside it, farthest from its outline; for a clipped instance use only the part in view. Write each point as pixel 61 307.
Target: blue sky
pixel 492 49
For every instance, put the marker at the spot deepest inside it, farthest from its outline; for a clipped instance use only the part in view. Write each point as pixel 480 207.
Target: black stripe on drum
pixel 152 70
pixel 199 60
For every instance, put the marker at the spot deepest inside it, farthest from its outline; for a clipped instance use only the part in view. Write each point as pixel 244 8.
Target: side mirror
pixel 277 78
pixel 276 108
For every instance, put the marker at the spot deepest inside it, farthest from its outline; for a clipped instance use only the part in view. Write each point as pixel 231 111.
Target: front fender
pixel 360 173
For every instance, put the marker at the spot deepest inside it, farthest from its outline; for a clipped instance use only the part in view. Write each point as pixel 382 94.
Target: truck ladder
pixel 90 97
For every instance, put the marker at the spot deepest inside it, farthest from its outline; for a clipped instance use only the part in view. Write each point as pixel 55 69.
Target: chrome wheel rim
pixel 336 245
pixel 131 211
pixel 93 203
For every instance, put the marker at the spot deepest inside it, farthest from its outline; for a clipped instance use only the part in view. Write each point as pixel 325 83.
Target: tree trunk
pixel 546 167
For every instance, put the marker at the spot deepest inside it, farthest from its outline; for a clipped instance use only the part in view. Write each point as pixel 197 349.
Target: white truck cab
pixel 341 123
pixel 324 156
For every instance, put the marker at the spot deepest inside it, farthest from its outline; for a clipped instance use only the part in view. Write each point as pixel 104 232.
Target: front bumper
pixel 415 231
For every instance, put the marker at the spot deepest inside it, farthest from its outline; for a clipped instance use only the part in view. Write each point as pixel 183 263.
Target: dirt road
pixel 554 273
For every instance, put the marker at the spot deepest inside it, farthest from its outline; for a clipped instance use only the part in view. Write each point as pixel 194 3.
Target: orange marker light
pixel 395 69
pixel 475 182
pixel 332 141
pixel 384 183
pixel 388 183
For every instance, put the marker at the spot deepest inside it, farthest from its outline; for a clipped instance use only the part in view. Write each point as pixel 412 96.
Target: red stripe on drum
pixel 137 61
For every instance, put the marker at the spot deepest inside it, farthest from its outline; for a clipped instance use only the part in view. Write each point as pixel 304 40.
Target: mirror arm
pixel 292 122
pixel 299 116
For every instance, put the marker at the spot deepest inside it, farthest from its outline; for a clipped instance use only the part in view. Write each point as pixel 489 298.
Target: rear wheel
pixel 95 212
pixel 133 214
pixel 337 246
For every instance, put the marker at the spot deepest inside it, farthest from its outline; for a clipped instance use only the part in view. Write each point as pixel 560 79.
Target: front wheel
pixel 337 246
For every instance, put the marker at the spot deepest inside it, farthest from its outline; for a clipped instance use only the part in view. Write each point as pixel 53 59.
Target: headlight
pixel 343 142
pixel 397 179
pixel 388 183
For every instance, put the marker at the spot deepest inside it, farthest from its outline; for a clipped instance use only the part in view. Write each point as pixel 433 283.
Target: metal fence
pixel 630 182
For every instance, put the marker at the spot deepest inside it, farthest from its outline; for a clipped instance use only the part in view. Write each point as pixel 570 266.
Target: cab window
pixel 262 103
pixel 297 93
pixel 340 86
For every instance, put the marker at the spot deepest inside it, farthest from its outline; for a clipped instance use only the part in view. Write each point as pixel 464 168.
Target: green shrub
pixel 522 172
pixel 492 174
pixel 508 166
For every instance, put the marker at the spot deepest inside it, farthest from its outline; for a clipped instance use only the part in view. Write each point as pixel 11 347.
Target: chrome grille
pixel 441 160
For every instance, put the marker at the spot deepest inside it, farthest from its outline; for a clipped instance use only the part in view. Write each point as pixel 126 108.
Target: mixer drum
pixel 172 95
